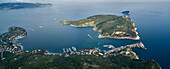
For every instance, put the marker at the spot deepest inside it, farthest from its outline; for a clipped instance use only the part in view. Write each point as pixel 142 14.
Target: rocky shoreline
pixel 135 30
pixel 137 38
pixel 101 36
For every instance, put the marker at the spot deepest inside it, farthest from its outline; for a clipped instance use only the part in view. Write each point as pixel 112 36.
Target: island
pixel 126 12
pixel 112 26
pixel 123 57
pixel 10 6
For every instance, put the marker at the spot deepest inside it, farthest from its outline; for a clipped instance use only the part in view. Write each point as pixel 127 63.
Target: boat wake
pixel 40 26
pixel 90 36
pixel 99 43
pixel 31 29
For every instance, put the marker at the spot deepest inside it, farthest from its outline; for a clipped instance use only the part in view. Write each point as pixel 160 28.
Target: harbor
pixel 98 52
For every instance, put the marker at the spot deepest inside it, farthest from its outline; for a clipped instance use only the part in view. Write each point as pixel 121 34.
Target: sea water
pixel 45 32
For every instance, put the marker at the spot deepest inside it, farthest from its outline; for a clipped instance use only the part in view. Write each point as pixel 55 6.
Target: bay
pixel 45 32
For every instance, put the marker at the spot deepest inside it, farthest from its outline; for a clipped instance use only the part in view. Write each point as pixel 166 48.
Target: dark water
pixel 151 18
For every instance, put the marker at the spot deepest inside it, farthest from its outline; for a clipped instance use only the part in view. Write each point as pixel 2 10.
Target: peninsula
pixel 112 26
pixel 10 6
pixel 14 57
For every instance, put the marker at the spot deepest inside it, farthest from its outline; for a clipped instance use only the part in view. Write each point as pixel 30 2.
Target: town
pixel 8 40
pixel 126 50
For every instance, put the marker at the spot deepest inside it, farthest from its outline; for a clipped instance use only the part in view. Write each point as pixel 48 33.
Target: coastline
pixel 75 25
pixel 101 36
pixel 124 50
pixel 136 38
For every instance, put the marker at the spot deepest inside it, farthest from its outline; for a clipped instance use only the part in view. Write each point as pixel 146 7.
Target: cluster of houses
pixel 8 40
pixel 138 45
pixel 73 51
pixel 12 49
pixel 96 51
pixel 10 37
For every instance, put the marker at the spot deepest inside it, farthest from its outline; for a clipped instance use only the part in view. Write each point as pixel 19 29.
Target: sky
pixel 86 0
pixel 100 0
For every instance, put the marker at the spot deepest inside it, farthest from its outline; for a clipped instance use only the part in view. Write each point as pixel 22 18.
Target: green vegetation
pixel 28 60
pixel 12 34
pixel 109 25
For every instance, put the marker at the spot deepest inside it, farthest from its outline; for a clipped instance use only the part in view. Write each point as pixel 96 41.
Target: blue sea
pixel 44 31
